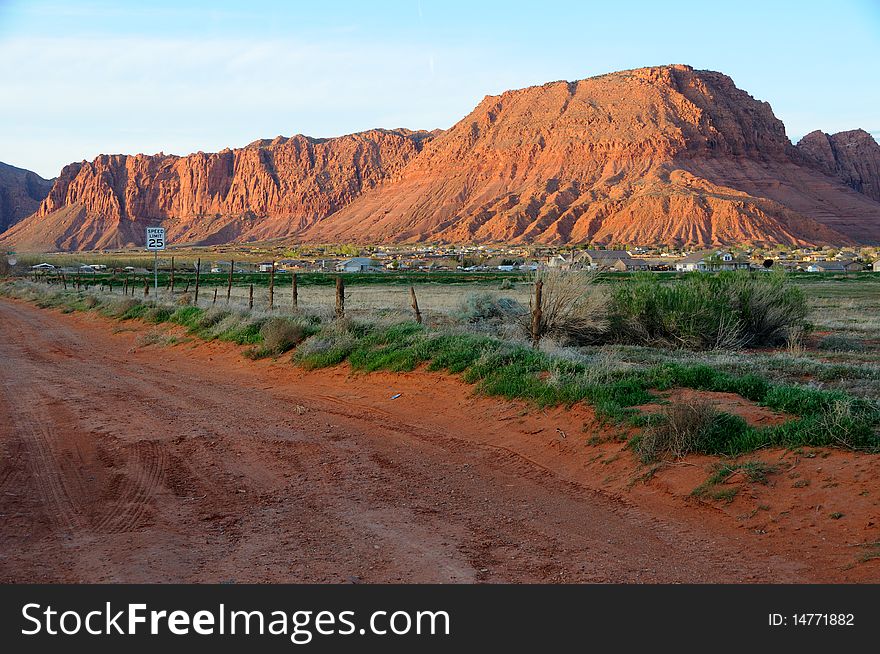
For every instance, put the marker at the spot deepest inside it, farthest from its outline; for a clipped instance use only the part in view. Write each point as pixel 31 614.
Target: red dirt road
pixel 123 463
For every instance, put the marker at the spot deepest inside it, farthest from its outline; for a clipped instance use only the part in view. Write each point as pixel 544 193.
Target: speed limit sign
pixel 155 238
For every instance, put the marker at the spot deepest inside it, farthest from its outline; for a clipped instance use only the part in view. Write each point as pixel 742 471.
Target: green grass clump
pixel 135 311
pixel 158 314
pixel 398 348
pixel 839 343
pixel 331 346
pixel 245 331
pixel 187 317
pixel 119 307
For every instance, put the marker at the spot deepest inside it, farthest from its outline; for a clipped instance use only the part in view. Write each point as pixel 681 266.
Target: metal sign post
pixel 156 242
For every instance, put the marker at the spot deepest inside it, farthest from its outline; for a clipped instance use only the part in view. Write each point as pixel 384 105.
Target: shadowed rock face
pixel 852 156
pixel 664 155
pixel 265 190
pixel 21 192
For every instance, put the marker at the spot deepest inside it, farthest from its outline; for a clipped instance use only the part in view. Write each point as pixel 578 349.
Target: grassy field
pixel 828 382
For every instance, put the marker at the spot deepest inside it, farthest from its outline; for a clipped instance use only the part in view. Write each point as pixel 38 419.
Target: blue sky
pixel 79 79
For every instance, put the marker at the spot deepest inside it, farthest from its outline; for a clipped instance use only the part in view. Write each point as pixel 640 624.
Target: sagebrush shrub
pixel 574 310
pixel 478 307
pixel 727 310
pixel 679 430
pixel 281 334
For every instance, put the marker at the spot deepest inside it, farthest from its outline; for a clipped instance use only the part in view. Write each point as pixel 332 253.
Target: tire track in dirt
pixel 145 476
pixel 35 431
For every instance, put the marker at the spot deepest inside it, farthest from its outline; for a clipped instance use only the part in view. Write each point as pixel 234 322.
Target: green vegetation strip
pixel 822 417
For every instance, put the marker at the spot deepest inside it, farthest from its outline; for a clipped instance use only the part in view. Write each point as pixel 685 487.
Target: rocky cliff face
pixel 663 155
pixel 656 155
pixel 265 190
pixel 852 156
pixel 21 192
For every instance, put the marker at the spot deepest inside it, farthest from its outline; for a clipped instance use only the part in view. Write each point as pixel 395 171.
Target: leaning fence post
pixel 64 281
pixel 415 304
pixel 537 314
pixel 340 298
pixel 293 291
pixel 214 301
pixel 229 281
pixel 251 297
pixel 171 281
pixel 272 286
pixel 198 268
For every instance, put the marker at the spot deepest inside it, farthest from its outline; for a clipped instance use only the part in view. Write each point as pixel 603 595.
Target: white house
pixel 359 264
pixel 711 262
pixel 43 266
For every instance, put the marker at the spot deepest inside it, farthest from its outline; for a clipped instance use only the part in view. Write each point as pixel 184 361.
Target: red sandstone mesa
pixel 664 155
pixel 264 190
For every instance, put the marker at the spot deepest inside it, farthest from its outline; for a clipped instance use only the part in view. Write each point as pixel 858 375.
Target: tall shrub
pixel 708 311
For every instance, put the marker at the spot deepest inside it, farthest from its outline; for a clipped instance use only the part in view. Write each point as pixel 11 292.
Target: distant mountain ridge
pixel 661 155
pixel 21 192
pixel 852 156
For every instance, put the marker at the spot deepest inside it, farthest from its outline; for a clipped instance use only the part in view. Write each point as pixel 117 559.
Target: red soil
pixel 191 463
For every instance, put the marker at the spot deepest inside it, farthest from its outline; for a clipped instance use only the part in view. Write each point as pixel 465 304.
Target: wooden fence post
pixel 146 287
pixel 293 292
pixel 251 297
pixel 124 285
pixel 537 314
pixel 415 304
pixel 272 286
pixel 64 281
pixel 229 281
pixel 78 280
pixel 198 269
pixel 171 281
pixel 214 301
pixel 340 298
